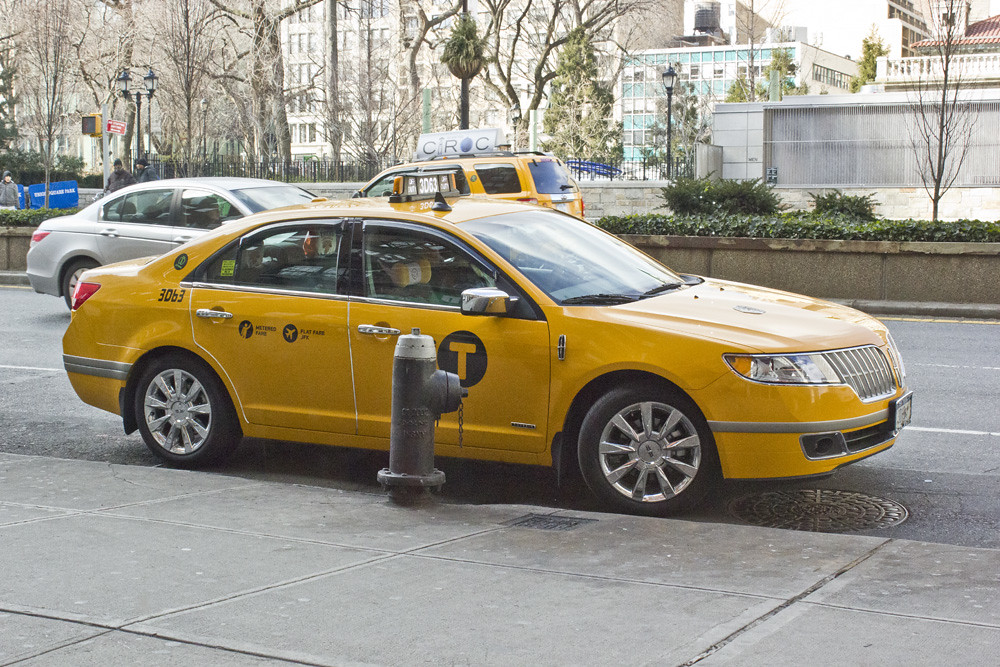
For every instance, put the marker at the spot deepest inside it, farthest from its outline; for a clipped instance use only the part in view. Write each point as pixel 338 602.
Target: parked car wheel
pixel 71 276
pixel 646 450
pixel 184 412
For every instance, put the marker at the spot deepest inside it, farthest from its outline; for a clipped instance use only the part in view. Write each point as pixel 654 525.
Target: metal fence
pixel 871 145
pixel 289 171
pixel 321 170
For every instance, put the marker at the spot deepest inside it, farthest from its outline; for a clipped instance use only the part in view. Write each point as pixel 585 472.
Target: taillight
pixel 581 208
pixel 38 236
pixel 528 200
pixel 83 292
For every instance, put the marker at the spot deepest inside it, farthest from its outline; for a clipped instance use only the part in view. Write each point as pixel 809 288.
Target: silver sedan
pixel 144 219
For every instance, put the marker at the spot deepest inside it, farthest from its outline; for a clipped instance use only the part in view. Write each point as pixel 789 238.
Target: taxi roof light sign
pixel 419 186
pixel 459 142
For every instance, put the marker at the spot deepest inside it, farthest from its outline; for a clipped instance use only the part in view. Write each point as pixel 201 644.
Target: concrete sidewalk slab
pixel 110 564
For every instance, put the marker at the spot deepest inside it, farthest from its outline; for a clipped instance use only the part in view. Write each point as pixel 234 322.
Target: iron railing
pixel 321 170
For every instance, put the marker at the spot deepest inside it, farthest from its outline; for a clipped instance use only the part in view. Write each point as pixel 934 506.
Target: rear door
pixel 137 224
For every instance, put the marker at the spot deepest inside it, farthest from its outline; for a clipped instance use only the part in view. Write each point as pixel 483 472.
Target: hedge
pixel 31 217
pixel 804 225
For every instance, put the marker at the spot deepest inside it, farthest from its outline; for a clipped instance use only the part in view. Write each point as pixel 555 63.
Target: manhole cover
pixel 819 510
pixel 548 522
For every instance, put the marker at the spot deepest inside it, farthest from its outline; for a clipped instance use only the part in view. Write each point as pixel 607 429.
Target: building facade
pixel 711 71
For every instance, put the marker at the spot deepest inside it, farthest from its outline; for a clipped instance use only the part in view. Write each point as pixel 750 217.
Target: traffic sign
pixel 116 126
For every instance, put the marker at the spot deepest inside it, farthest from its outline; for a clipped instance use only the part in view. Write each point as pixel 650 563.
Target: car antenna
pixel 440 203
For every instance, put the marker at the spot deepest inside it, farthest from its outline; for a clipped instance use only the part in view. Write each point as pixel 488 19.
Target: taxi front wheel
pixel 647 451
pixel 184 413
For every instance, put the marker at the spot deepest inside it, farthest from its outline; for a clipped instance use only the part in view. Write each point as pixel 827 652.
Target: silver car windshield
pixel 571 261
pixel 273 196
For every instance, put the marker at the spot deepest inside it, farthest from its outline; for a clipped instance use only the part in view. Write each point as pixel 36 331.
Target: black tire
pixel 184 413
pixel 640 469
pixel 71 275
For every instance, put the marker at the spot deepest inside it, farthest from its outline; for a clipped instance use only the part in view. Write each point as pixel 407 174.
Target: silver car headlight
pixel 784 368
pixel 897 359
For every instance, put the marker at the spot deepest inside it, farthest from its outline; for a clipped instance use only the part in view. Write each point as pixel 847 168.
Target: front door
pixel 413 278
pixel 275 320
pixel 137 224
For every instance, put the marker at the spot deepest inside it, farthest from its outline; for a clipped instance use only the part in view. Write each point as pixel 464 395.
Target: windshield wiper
pixel 665 287
pixel 609 299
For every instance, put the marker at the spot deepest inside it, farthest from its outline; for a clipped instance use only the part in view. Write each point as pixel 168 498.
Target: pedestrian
pixel 8 193
pixel 143 172
pixel 119 178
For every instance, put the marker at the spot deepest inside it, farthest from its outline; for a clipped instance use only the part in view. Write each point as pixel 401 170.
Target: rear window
pixel 498 179
pixel 273 196
pixel 550 177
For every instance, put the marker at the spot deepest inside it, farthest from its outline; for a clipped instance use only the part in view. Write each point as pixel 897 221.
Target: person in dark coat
pixel 119 178
pixel 8 193
pixel 144 172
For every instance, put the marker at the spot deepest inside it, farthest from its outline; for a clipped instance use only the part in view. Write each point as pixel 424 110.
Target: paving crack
pixel 715 648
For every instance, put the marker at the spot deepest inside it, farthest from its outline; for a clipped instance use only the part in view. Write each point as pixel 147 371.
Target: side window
pixel 409 265
pixel 498 179
pixel 112 210
pixel 150 207
pixel 300 257
pixel 204 210
pixel 382 187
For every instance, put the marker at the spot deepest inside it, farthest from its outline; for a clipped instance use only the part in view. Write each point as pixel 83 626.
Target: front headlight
pixel 897 359
pixel 784 368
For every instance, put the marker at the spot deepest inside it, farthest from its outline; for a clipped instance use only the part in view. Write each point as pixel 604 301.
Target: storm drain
pixel 548 522
pixel 818 510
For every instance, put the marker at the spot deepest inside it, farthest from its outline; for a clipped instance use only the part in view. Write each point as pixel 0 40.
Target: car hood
pixel 753 318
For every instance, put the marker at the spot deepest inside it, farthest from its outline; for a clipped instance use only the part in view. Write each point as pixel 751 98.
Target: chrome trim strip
pixel 116 370
pixel 800 427
pixel 257 289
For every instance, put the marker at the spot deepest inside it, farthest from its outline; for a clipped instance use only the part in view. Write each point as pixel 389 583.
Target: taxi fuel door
pixel 486 301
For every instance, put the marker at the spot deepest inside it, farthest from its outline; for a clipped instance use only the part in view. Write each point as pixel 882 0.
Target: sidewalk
pixel 105 564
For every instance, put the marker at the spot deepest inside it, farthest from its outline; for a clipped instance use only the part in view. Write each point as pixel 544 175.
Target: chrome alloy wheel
pixel 177 411
pixel 649 452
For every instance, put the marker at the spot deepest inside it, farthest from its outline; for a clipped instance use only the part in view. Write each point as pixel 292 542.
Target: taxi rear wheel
pixel 184 413
pixel 647 451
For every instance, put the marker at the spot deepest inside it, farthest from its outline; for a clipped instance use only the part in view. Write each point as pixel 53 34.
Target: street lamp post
pixel 149 81
pixel 669 79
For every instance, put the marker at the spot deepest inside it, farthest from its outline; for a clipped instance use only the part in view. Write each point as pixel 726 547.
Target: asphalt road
pixel 945 467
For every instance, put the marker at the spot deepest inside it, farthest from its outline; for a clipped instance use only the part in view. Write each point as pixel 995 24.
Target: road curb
pixel 13 278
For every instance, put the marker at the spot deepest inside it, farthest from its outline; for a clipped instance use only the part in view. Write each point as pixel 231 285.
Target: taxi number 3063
pixel 171 295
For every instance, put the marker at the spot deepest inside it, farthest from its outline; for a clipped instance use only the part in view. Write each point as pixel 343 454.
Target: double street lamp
pixel 669 79
pixel 149 81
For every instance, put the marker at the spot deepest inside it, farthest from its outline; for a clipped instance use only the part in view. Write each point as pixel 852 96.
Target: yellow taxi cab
pixel 482 168
pixel 651 384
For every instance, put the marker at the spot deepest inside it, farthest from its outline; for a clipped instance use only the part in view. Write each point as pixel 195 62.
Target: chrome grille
pixel 865 369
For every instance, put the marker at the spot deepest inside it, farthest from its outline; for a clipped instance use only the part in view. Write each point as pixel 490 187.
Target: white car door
pixel 137 224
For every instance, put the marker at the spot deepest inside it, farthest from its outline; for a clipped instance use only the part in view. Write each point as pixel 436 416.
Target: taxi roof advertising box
pixel 459 142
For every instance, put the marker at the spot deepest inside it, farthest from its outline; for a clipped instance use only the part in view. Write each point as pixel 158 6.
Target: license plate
pixel 903 409
pixel 562 207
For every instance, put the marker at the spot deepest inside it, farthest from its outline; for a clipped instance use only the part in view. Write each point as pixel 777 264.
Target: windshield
pixel 267 197
pixel 550 177
pixel 571 261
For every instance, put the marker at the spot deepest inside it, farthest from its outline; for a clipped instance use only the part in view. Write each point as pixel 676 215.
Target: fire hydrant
pixel 420 395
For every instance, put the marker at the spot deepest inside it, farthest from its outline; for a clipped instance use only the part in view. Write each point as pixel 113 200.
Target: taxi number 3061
pixel 171 295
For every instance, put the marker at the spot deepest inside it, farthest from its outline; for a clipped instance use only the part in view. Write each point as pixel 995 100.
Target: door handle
pixel 205 312
pixel 377 331
pixel 182 239
pixel 109 232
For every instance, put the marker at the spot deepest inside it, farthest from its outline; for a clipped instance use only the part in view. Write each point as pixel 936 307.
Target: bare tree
pixel 266 75
pixel 942 125
pixel 753 19
pixel 46 64
pixel 526 35
pixel 187 37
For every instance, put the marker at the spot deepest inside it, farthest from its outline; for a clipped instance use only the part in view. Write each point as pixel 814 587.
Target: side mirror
pixel 486 301
pixel 357 194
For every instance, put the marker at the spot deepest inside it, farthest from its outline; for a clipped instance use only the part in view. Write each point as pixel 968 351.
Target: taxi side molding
pixel 800 427
pixel 115 370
